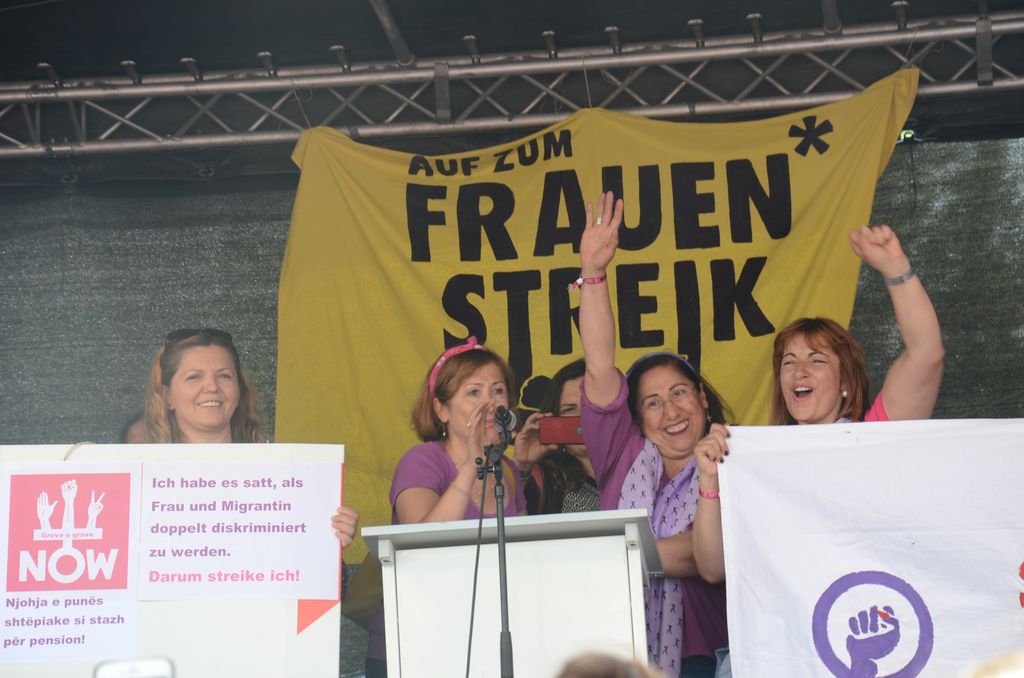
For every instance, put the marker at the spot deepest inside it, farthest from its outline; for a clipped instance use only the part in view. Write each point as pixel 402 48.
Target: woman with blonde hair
pixel 197 392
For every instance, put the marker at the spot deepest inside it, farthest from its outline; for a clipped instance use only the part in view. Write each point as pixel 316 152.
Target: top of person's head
pixel 598 665
pixel 718 409
pixel 445 377
pixel 553 394
pixel 245 425
pixel 1004 666
pixel 822 333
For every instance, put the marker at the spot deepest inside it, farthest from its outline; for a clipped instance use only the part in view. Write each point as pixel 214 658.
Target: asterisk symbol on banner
pixel 811 135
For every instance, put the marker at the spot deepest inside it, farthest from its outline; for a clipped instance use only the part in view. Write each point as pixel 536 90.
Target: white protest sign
pixel 74 568
pixel 69 581
pixel 219 530
pixel 876 549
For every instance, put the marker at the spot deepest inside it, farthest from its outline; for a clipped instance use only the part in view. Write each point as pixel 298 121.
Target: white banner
pixel 883 549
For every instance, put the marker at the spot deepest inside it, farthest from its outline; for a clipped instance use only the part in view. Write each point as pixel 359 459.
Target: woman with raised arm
pixel 641 430
pixel 436 480
pixel 818 377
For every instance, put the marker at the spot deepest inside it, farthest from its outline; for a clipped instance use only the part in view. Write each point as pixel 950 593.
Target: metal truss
pixel 698 79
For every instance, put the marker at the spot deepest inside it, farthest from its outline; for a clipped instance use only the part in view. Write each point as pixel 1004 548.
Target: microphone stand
pixel 495 453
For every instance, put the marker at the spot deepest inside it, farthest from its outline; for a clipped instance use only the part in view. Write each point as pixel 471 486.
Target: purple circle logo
pixel 874 632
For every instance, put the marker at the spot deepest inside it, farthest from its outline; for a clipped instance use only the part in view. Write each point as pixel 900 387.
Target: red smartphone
pixel 561 431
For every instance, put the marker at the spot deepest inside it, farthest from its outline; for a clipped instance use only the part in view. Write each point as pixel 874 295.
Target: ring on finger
pixel 598 221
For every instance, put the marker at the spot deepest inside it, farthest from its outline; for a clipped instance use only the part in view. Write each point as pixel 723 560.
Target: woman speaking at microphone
pixel 436 480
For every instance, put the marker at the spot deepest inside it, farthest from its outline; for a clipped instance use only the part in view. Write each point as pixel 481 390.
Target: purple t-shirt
pixel 428 465
pixel 614 444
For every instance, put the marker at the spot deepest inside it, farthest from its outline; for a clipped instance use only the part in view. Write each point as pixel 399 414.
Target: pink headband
pixel 470 344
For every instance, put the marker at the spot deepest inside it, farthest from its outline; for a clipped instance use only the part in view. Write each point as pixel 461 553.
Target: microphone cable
pixel 482 476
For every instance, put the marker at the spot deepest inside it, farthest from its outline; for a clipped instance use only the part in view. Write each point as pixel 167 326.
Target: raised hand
pixel 95 507
pixel 912 382
pixel 601 235
pixel 874 634
pixel 68 490
pixel 528 448
pixel 880 249
pixel 345 522
pixel 44 509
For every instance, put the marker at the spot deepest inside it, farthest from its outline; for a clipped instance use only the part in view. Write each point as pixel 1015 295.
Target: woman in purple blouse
pixel 640 431
pixel 436 480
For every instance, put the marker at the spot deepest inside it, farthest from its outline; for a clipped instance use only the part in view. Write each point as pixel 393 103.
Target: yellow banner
pixel 731 231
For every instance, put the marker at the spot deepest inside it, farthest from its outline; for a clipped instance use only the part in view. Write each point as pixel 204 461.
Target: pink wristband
pixel 581 281
pixel 708 495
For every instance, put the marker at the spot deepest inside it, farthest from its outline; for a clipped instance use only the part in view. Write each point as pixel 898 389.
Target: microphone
pixel 504 420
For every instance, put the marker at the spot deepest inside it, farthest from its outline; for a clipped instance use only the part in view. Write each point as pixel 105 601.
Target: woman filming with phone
pixel 550 452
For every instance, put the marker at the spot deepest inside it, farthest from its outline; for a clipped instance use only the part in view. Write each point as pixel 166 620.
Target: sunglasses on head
pixel 178 335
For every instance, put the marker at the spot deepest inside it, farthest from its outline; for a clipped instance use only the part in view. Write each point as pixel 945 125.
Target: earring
pixel 709 417
pixel 444 430
pixel 844 393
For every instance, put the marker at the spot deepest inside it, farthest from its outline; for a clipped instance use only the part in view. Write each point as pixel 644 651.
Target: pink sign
pixel 76 539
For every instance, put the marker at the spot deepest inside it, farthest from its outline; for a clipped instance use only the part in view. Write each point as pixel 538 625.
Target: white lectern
pixel 575 584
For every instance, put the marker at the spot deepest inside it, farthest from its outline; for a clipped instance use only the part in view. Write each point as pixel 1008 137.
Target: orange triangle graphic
pixel 311 610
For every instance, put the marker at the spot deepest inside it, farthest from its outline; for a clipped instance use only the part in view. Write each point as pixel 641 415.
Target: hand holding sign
pixel 345 522
pixel 871 639
pixel 710 452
